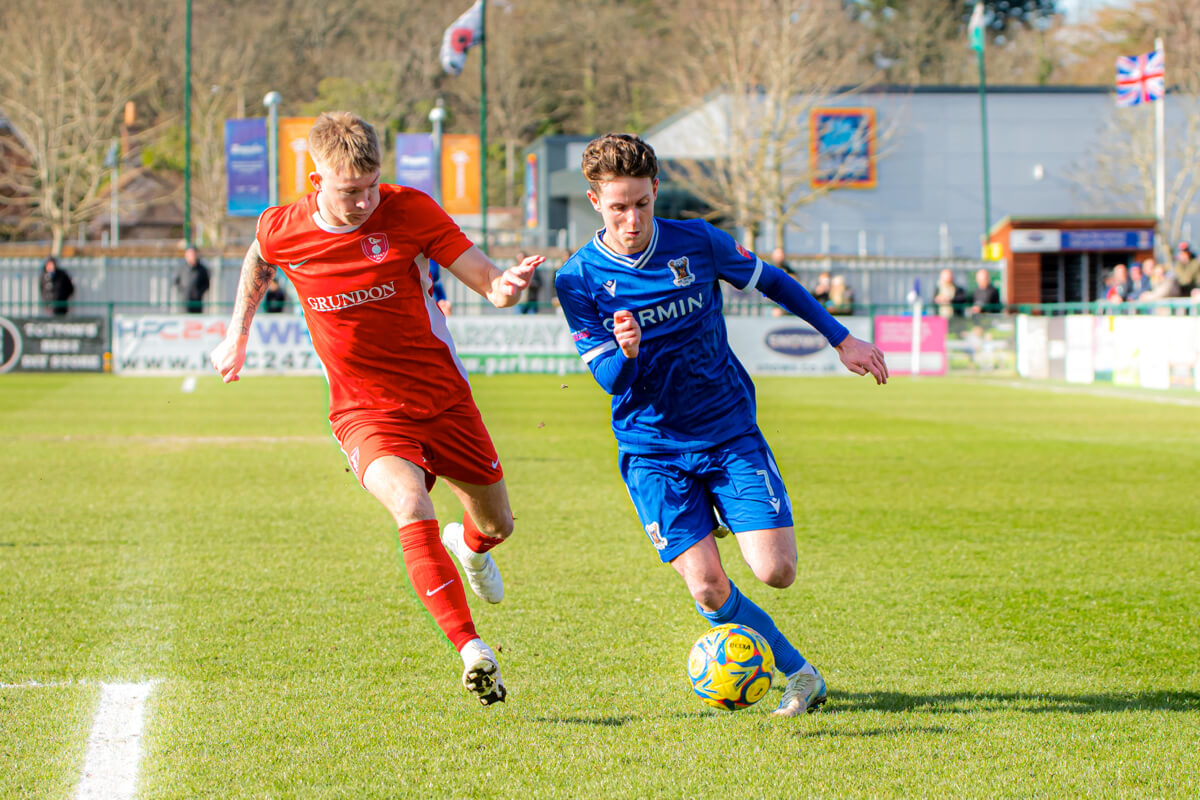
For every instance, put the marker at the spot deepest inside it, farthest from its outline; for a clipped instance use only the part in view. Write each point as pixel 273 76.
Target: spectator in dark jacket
pixel 986 299
pixel 192 282
pixel 57 288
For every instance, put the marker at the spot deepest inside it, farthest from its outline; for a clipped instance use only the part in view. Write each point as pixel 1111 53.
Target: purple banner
pixel 414 161
pixel 246 168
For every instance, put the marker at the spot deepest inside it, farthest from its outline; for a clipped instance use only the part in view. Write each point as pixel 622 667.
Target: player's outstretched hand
pixel 228 357
pixel 514 280
pixel 862 357
pixel 627 333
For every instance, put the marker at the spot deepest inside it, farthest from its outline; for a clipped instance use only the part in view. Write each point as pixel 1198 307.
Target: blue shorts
pixel 681 497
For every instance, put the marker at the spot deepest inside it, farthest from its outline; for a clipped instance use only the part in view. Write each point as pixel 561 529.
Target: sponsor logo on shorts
pixel 344 300
pixel 353 459
pixel 656 538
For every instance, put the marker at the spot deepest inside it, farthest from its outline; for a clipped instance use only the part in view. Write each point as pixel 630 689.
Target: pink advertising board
pixel 894 336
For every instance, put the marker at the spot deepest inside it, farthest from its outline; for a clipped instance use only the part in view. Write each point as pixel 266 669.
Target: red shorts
pixel 453 444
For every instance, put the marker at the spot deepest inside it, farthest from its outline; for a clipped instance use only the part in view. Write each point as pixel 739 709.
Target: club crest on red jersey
pixel 375 246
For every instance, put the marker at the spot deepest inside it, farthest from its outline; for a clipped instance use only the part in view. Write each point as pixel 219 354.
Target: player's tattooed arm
pixel 252 286
pixel 229 356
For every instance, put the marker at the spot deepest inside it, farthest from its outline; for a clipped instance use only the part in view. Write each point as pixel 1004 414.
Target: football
pixel 730 667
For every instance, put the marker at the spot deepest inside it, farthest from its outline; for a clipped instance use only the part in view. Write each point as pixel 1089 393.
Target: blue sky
pixel 1074 8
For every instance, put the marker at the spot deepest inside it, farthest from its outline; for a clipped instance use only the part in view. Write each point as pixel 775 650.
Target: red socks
pixel 475 539
pixel 436 581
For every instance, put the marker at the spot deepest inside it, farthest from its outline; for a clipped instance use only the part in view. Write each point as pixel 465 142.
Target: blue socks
pixel 742 610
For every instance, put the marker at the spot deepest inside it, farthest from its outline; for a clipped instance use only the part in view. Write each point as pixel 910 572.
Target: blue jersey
pixel 689 392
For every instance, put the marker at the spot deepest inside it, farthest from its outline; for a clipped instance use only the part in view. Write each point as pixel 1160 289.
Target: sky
pixel 1074 9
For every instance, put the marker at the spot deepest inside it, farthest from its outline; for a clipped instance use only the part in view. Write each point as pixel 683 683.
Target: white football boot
pixel 482 573
pixel 481 673
pixel 804 693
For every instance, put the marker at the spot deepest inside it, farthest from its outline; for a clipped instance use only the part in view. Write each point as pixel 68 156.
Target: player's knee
pixel 496 528
pixel 778 575
pixel 710 593
pixel 409 506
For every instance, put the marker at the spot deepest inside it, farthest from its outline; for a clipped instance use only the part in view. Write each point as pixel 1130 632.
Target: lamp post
pixel 272 101
pixel 112 160
pixel 187 129
pixel 437 115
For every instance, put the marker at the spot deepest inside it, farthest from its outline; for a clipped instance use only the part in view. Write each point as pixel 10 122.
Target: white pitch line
pixel 115 744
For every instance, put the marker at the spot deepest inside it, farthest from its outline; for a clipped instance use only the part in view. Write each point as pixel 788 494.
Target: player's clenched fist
pixel 228 357
pixel 627 332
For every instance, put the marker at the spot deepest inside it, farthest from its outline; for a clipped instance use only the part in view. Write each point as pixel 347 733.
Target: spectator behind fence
pixel 192 282
pixel 820 290
pixel 57 288
pixel 1139 281
pixel 564 257
pixel 779 259
pixel 950 299
pixel 438 290
pixel 841 297
pixel 1163 285
pixel 1116 285
pixel 986 298
pixel 275 299
pixel 533 292
pixel 1187 269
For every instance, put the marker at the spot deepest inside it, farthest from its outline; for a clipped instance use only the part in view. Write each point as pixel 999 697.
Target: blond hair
pixel 345 143
pixel 618 155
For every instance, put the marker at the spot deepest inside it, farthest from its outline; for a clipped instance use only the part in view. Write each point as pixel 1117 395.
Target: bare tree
pixel 518 82
pixel 1118 171
pixel 67 72
pixel 756 69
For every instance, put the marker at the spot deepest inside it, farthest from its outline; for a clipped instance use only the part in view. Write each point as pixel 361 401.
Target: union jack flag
pixel 1141 79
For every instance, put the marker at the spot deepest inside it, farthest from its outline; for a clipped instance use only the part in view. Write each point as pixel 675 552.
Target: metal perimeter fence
pixel 104 285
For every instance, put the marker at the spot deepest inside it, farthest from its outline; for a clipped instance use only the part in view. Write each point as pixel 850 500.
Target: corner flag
pixel 975 28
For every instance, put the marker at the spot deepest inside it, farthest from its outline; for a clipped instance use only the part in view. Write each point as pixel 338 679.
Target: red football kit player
pixel 399 402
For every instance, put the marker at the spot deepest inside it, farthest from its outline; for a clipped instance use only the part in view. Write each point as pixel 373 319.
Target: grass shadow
pixel 605 722
pixel 1027 702
pixel 871 733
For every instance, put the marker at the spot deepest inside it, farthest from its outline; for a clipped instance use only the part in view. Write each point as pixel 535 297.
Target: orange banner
pixel 294 161
pixel 460 173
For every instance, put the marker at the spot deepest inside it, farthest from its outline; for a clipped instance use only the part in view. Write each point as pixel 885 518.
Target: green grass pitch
pixel 1001 586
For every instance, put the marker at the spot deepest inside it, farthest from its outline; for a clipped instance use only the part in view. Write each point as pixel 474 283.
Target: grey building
pixel 926 199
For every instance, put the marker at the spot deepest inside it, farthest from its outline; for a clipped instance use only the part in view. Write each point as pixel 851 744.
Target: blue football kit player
pixel 643 302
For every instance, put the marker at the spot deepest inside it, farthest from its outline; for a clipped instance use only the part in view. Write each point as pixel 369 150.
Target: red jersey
pixel 368 301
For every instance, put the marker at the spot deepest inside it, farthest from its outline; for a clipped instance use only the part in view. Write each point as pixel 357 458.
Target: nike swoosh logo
pixel 495 463
pixel 297 266
pixel 432 592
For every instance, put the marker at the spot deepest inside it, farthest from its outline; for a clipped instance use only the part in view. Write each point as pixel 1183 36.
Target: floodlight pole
pixel 187 129
pixel 272 101
pixel 483 198
pixel 112 160
pixel 983 125
pixel 437 115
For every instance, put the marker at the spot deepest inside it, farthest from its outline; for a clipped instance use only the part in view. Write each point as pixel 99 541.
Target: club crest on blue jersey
pixel 683 274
